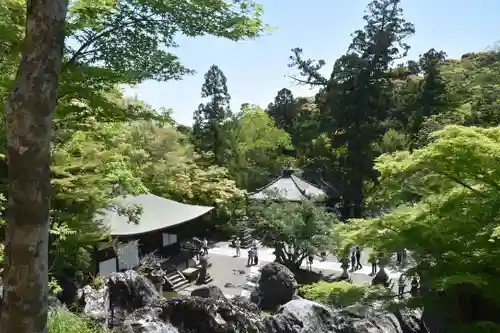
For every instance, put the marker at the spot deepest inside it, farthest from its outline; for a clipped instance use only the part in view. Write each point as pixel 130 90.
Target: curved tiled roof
pixel 289 187
pixel 157 213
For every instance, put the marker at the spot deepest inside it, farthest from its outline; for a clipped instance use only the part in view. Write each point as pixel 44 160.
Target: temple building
pixel 289 187
pixel 164 227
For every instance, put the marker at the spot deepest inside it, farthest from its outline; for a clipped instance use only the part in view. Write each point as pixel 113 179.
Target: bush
pixel 63 321
pixel 342 294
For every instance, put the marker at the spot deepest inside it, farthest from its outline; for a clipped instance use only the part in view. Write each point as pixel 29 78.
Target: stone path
pixel 266 255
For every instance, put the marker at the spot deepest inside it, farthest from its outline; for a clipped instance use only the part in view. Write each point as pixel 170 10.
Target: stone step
pixel 177 281
pixel 181 286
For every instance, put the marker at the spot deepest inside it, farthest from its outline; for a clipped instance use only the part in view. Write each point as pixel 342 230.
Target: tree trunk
pixel 29 126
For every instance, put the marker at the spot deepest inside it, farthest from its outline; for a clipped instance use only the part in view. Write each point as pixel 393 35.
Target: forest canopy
pixel 411 145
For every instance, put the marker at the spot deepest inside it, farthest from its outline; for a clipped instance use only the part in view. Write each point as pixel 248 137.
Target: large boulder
pixel 94 303
pixel 212 292
pixel 277 286
pixel 123 294
pixel 193 314
pixel 128 292
pixel 146 320
pixel 301 316
pixel 365 319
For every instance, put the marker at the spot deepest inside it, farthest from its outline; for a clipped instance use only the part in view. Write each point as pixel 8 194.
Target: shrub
pixel 342 294
pixel 63 321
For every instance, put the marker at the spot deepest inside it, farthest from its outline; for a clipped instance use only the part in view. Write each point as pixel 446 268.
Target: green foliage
pixel 342 294
pixel 254 152
pixel 63 321
pixel 451 225
pixel 293 229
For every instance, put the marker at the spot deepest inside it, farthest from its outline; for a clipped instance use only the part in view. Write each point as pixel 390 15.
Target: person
pixel 323 255
pixel 402 285
pixel 205 245
pixel 250 258
pixel 255 252
pixel 310 260
pixel 372 258
pixel 358 258
pixel 414 286
pixel 237 245
pixel 353 260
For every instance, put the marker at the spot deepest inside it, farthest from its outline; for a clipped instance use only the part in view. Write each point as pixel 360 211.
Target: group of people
pixel 253 253
pixel 403 279
pixel 356 258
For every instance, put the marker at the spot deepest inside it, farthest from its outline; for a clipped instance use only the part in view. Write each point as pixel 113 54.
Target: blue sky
pixel 257 69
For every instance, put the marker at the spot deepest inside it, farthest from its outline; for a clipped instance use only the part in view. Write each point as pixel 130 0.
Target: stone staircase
pixel 177 280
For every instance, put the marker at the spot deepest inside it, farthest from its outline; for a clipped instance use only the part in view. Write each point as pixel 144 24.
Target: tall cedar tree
pixel 209 117
pixel 357 96
pixel 283 111
pixel 432 96
pixel 29 130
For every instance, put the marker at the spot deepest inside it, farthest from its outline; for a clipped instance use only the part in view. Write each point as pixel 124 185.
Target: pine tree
pixel 210 116
pixel 357 96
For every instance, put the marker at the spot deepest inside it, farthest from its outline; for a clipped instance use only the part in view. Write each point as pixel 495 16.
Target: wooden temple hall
pixel 292 188
pixel 165 228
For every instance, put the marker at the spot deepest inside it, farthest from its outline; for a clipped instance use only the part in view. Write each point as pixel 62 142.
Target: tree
pixel 124 42
pixel 433 97
pixel 29 121
pixel 283 110
pixel 356 98
pixel 293 229
pixel 450 225
pixel 255 147
pixel 209 117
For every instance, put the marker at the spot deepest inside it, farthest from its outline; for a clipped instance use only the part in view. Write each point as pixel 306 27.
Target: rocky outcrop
pixel 193 314
pixel 212 292
pixel 277 286
pixel 123 294
pixel 94 303
pixel 138 308
pixel 301 316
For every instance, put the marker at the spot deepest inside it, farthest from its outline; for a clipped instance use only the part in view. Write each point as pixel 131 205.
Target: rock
pixel 128 292
pixel 301 316
pixel 276 286
pixel 245 304
pixel 94 303
pixel 364 319
pixel 411 321
pixel 212 292
pixel 146 320
pixel 196 314
pixel 123 294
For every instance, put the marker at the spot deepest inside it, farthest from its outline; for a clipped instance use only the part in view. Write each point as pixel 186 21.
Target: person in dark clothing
pixel 310 260
pixel 414 286
pixel 250 258
pixel 358 258
pixel 353 261
pixel 373 260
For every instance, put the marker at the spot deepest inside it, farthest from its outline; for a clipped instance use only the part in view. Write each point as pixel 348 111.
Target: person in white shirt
pixel 205 246
pixel 237 245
